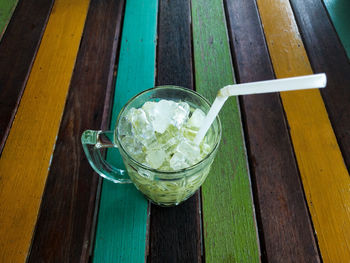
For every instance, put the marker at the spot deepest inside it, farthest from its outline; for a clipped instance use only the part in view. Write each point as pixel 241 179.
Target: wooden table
pixel 279 189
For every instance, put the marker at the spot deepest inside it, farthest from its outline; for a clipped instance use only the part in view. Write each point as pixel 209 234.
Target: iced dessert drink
pixel 154 134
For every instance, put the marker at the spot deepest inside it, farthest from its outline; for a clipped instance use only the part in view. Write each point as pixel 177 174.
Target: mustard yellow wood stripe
pixel 25 159
pixel 324 175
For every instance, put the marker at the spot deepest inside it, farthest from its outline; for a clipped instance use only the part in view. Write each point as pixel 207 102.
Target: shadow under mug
pixel 165 188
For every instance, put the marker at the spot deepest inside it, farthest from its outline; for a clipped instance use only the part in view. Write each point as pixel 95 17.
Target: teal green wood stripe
pixel 230 233
pixel 122 219
pixel 6 9
pixel 339 11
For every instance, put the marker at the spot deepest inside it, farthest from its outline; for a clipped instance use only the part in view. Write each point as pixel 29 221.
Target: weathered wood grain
pixel 26 156
pixel 286 232
pixel 122 219
pixel 339 11
pixel 6 9
pixel 325 178
pixel 230 233
pixel 64 226
pixel 174 51
pixel 17 53
pixel 327 55
pixel 175 231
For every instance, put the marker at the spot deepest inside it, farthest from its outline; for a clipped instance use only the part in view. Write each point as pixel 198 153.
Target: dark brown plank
pixel 17 52
pixel 174 54
pixel 285 229
pixel 327 54
pixel 175 232
pixel 64 226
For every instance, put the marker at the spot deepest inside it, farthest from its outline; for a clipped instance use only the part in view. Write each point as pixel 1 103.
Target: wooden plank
pixel 6 9
pixel 322 169
pixel 63 229
pixel 26 156
pixel 328 56
pixel 175 231
pixel 174 54
pixel 339 12
pixel 17 52
pixel 121 229
pixel 228 213
pixel 286 232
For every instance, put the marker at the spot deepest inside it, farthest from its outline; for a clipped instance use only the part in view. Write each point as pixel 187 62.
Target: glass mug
pixel 164 188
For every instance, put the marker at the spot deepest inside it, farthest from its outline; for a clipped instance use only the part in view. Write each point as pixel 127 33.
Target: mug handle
pixel 93 142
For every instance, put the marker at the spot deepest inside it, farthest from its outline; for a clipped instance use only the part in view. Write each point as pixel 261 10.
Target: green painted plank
pixel 230 233
pixel 122 219
pixel 6 9
pixel 339 11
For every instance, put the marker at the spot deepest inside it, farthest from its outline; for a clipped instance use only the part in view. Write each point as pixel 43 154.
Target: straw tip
pixel 323 79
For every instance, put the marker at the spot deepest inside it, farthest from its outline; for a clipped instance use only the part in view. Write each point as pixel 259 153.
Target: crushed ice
pixel 160 135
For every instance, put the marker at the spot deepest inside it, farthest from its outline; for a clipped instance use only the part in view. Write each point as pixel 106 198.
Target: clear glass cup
pixel 165 188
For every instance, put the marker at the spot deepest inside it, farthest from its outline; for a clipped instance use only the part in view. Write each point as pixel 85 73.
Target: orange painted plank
pixel 26 156
pixel 324 175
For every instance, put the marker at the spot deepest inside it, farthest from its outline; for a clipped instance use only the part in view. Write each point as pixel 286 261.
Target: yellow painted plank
pixel 25 159
pixel 324 175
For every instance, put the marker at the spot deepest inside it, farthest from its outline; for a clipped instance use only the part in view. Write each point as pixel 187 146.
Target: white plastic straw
pixel 276 85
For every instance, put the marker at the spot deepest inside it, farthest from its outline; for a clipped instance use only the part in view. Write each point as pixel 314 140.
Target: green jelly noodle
pixel 171 191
